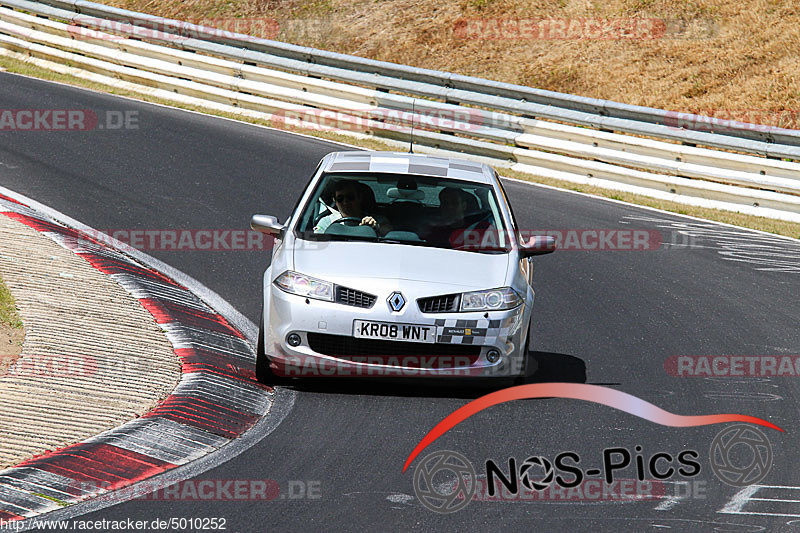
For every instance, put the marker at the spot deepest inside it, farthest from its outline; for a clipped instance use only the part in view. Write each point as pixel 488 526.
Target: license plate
pixel 364 329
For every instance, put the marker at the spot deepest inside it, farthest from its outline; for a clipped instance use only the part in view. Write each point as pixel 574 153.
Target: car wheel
pixel 523 375
pixel 264 373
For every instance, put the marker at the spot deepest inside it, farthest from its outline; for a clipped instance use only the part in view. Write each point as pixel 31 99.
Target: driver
pixel 350 200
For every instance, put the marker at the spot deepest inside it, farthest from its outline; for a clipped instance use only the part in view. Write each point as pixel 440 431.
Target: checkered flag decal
pixel 425 165
pixel 479 332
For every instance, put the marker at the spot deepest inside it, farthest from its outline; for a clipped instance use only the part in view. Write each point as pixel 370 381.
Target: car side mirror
pixel 267 224
pixel 538 245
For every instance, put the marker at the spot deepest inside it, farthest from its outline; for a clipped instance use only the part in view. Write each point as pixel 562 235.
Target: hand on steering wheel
pixel 355 221
pixel 348 221
pixel 371 222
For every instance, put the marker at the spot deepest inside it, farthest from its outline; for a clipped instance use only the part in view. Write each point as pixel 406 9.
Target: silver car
pixel 397 264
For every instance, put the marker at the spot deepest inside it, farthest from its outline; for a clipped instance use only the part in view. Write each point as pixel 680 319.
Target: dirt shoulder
pixel 736 60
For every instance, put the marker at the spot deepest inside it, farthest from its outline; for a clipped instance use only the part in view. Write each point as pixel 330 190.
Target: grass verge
pixel 789 229
pixel 61 503
pixel 11 333
pixel 8 310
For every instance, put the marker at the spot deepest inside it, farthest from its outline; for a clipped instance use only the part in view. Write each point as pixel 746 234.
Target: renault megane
pixel 397 264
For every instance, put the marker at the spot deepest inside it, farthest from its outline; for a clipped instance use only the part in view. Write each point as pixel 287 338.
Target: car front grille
pixel 353 297
pixel 439 304
pixel 380 351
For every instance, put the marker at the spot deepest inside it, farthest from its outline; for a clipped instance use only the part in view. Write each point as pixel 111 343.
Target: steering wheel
pixel 480 220
pixel 347 221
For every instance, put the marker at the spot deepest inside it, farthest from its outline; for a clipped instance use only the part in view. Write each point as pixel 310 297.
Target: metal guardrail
pixel 313 56
pixel 456 82
pixel 278 79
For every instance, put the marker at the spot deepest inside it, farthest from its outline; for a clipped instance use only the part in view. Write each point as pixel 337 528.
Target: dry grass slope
pixel 737 59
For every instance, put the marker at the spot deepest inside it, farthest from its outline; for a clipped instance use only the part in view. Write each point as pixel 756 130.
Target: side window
pixel 510 208
pixel 316 207
pixel 497 218
pixel 300 198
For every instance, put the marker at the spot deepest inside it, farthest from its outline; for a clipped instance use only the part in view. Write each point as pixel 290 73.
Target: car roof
pixel 407 163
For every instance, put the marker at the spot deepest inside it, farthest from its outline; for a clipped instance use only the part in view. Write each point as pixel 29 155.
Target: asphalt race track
pixel 607 317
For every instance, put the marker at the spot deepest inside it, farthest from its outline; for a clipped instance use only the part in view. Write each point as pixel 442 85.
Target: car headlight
pixel 301 285
pixel 491 300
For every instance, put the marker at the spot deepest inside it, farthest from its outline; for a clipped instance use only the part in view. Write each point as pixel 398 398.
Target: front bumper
pixel 468 345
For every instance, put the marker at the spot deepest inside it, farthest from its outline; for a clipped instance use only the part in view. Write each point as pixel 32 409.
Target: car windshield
pixel 407 209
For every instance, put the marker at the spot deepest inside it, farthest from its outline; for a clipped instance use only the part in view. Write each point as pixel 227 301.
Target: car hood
pixel 336 261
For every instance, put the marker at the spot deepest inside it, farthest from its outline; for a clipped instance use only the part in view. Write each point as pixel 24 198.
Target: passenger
pixel 352 200
pixel 453 223
pixel 452 206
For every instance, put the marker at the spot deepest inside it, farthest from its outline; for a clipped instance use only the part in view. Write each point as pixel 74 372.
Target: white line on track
pixel 746 495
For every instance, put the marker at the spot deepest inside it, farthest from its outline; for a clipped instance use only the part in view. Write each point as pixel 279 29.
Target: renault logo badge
pixel 396 301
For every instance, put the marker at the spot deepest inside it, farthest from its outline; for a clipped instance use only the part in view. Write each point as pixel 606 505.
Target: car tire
pixel 523 375
pixel 264 373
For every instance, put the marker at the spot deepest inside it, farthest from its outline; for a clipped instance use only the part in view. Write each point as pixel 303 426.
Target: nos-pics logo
pixel 445 481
